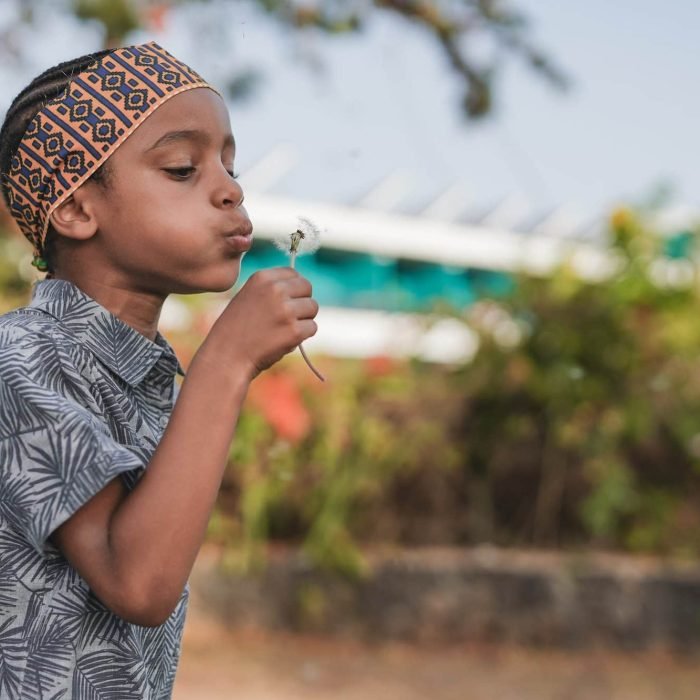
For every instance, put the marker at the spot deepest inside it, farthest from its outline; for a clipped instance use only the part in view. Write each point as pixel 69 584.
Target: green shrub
pixel 586 430
pixel 577 423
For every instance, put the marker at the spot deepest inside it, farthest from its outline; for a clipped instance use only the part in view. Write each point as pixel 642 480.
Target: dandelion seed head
pixel 312 236
pixel 306 238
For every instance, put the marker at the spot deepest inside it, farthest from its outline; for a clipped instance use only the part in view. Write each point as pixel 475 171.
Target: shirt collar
pixel 124 350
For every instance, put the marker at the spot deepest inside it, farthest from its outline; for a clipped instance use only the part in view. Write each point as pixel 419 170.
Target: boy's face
pixel 170 207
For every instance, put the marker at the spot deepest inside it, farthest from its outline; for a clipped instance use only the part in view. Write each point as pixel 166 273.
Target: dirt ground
pixel 217 664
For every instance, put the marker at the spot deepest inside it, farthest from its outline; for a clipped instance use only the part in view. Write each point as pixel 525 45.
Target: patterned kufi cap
pixel 75 133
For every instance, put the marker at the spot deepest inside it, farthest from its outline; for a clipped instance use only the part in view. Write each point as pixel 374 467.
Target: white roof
pixel 395 235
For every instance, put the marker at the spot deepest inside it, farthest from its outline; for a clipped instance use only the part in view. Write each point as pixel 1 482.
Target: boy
pixel 121 179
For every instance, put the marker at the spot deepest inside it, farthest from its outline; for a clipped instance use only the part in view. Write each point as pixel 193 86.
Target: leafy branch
pixel 458 27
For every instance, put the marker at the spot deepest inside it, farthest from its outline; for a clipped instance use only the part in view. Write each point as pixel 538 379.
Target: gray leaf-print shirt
pixel 84 398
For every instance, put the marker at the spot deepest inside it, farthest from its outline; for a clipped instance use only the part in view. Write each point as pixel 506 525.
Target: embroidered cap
pixel 76 132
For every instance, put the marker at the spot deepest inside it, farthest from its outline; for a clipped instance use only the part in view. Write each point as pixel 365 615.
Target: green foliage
pixel 119 17
pixel 14 255
pixel 452 27
pixel 577 423
pixel 365 428
pixel 595 411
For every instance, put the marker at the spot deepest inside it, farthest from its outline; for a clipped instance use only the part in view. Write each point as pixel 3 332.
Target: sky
pixel 386 102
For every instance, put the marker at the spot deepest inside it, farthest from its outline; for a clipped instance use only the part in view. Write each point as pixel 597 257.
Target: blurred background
pixel 501 474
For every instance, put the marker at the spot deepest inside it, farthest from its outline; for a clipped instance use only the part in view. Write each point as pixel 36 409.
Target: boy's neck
pixel 140 310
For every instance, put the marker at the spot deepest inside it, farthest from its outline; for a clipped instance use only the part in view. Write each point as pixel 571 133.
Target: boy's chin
pixel 220 287
pixel 226 280
pixel 219 279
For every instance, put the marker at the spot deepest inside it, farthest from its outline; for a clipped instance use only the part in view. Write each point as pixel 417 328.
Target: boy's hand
pixel 269 317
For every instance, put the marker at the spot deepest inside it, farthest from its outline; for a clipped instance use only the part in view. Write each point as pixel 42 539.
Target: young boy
pixel 117 167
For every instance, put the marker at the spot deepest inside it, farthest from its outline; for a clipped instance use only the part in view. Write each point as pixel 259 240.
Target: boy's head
pixel 155 206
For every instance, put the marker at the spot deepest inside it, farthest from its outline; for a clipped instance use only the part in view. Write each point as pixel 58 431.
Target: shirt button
pixel 163 421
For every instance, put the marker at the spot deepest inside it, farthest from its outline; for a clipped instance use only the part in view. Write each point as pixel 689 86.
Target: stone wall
pixel 456 596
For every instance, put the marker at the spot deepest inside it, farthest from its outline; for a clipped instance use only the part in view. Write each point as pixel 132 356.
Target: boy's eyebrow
pixel 201 137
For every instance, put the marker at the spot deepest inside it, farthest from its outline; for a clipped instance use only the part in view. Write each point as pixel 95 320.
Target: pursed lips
pixel 241 239
pixel 245 231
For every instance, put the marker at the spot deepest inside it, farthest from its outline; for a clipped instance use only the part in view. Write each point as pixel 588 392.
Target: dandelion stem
pixel 292 263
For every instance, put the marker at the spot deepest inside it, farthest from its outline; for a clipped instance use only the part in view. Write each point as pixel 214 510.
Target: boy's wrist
pixel 233 374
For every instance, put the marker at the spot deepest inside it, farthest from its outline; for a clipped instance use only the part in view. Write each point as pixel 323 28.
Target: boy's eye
pixel 180 173
pixel 184 173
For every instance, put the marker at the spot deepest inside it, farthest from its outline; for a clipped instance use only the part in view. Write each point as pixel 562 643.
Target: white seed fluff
pixel 309 242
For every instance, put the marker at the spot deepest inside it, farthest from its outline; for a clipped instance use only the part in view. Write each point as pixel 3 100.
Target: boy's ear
pixel 75 217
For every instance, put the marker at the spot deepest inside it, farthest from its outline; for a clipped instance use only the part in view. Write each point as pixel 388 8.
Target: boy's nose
pixel 231 195
pixel 228 193
pixel 235 198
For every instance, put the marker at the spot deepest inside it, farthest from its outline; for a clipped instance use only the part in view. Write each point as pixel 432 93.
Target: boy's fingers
pixel 298 287
pixel 304 308
pixel 307 328
pixel 288 279
pixel 274 274
pixel 284 272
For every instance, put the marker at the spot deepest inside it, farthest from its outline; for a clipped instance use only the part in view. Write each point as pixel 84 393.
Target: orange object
pixel 380 365
pixel 279 399
pixel 156 15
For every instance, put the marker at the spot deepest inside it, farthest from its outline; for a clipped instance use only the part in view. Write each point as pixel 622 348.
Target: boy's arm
pixel 136 550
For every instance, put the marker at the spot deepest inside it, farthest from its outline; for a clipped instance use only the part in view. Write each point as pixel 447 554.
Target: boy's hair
pixel 24 107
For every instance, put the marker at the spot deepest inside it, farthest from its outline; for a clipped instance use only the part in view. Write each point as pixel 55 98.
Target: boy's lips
pixel 241 239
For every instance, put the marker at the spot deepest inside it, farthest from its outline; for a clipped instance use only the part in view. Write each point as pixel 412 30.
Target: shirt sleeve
pixel 55 454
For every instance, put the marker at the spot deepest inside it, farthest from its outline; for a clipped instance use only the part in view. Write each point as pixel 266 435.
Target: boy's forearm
pixel 136 549
pixel 156 533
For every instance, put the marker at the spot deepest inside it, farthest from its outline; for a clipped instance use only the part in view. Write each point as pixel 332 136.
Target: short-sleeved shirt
pixel 84 399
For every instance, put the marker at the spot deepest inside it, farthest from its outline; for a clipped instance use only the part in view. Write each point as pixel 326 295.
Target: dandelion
pixel 306 239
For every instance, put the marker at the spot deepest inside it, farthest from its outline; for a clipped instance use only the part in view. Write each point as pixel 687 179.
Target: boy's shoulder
pixel 25 324
pixel 57 314
pixel 62 326
pixel 31 342
pixel 43 340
